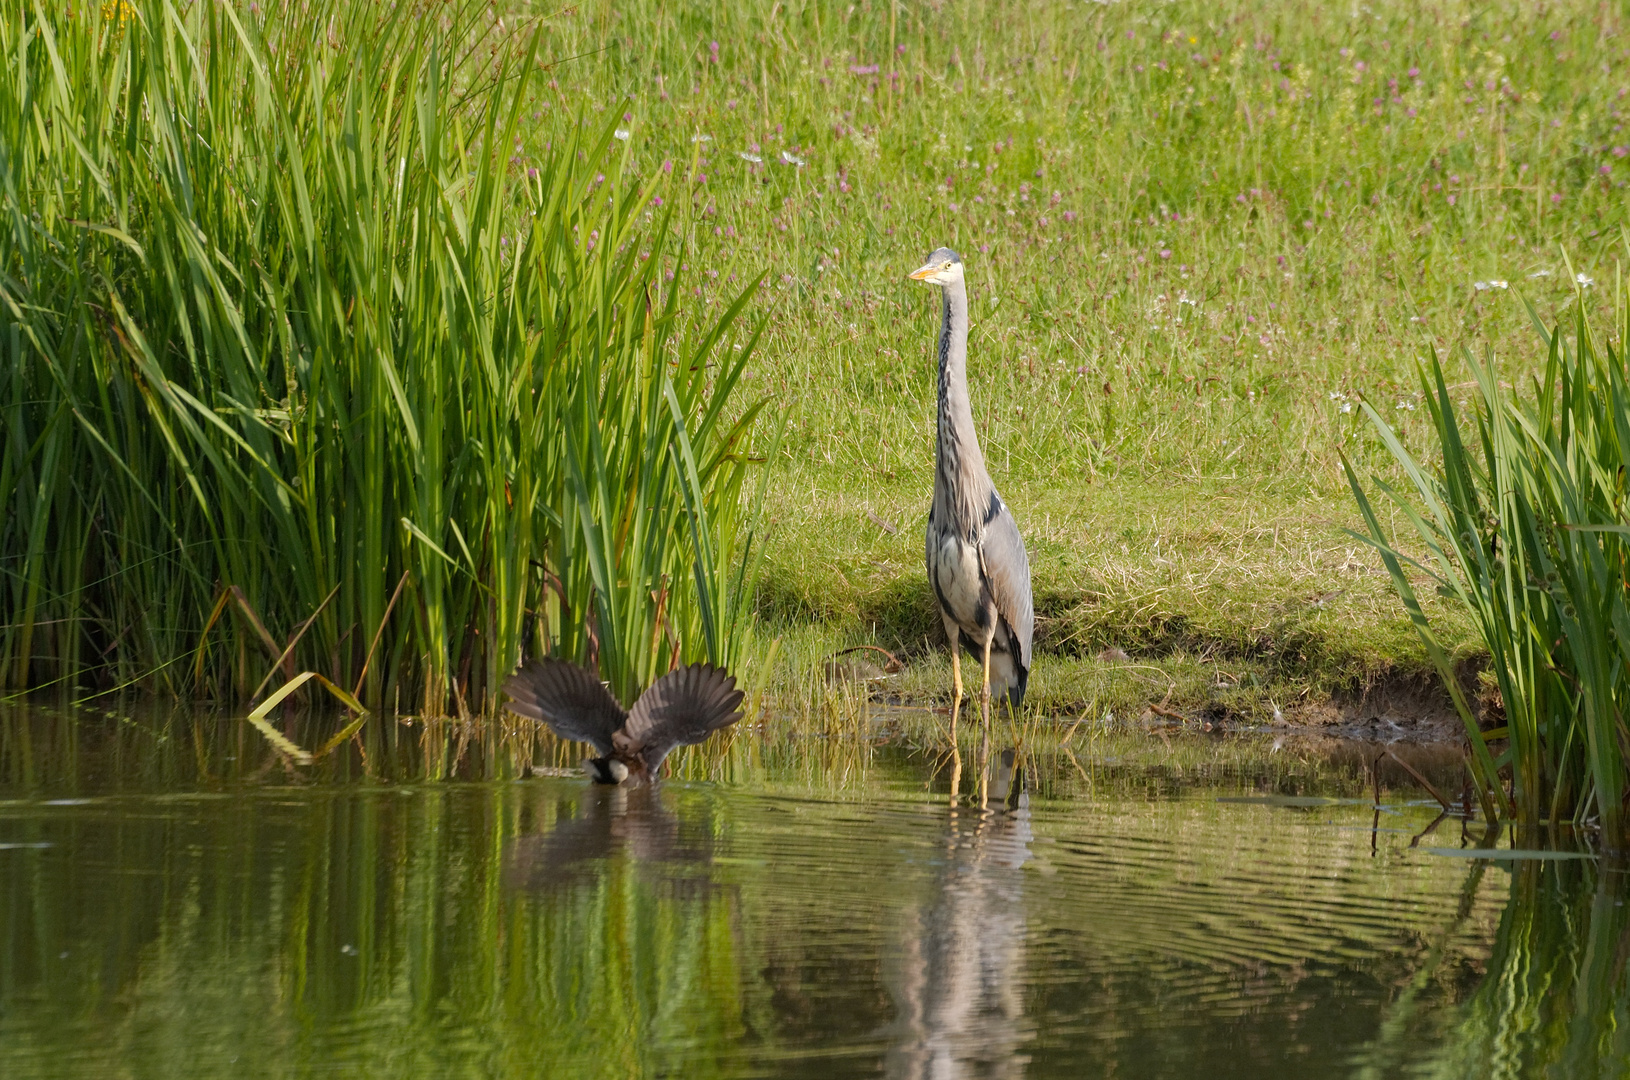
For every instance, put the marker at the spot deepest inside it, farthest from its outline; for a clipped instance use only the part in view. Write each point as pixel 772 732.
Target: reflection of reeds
pixel 292 320
pixel 894 751
pixel 1555 997
pixel 1527 527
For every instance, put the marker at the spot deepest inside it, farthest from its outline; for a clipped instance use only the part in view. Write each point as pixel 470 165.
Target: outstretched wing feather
pixel 683 707
pixel 575 704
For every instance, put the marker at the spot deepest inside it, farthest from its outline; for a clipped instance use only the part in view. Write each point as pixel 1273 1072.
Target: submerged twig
pixel 1416 840
pixel 1423 781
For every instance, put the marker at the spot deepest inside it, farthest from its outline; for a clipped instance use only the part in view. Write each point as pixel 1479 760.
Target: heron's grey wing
pixel 1007 576
pixel 685 706
pixel 570 700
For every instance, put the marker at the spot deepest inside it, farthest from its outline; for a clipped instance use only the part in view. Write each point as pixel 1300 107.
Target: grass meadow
pixel 1198 236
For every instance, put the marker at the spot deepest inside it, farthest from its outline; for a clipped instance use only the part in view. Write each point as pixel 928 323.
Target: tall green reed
pixel 1525 523
pixel 285 314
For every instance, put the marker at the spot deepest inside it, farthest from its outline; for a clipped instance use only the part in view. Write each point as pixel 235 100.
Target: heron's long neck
pixel 961 485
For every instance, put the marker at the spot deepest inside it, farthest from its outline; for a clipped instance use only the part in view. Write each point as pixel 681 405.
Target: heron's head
pixel 942 268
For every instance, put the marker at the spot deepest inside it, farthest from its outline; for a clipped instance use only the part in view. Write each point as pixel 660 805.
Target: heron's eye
pixel 947 266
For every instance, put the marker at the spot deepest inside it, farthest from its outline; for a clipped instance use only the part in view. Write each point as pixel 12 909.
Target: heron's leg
pixel 984 767
pixel 952 632
pixel 984 692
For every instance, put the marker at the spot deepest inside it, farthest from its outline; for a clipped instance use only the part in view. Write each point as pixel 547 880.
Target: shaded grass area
pixel 1235 596
pixel 1197 235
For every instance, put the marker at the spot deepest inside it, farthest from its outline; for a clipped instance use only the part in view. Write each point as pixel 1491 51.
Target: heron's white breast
pixel 956 568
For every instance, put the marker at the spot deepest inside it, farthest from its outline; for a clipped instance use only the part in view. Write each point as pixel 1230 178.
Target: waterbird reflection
pixel 609 822
pixel 958 968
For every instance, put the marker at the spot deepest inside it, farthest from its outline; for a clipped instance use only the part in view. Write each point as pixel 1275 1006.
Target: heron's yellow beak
pixel 918 275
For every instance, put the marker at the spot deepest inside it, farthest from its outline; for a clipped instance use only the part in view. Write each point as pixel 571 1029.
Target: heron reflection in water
pixel 956 974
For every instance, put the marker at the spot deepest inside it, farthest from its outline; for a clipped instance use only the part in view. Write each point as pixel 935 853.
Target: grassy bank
pixel 1196 235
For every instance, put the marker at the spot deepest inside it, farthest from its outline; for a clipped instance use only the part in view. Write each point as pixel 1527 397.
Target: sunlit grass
pixel 1196 234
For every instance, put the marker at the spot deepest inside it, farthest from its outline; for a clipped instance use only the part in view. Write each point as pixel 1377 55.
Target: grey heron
pixel 685 706
pixel 976 559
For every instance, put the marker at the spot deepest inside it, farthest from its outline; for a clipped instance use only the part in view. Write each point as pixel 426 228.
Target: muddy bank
pixel 1393 708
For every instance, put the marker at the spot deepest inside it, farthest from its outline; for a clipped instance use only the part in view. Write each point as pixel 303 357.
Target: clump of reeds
pixel 1525 523
pixel 290 320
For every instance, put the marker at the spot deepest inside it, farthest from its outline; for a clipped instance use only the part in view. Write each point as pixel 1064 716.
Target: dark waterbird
pixel 683 707
pixel 976 558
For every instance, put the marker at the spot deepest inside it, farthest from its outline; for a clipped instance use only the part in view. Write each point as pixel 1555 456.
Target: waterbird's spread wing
pixel 685 706
pixel 570 700
pixel 1007 576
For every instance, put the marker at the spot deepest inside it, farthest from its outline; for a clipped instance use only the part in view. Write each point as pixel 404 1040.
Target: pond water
pixel 176 902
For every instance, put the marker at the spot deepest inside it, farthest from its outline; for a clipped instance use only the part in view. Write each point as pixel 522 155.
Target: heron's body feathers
pixel 683 707
pixel 953 569
pixel 1007 578
pixel 983 591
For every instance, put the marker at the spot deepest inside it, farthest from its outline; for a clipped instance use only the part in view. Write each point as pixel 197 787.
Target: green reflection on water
pixel 1556 1000
pixel 174 902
